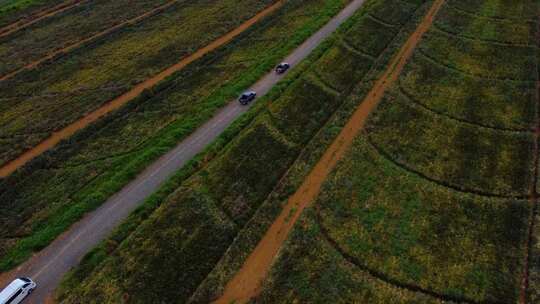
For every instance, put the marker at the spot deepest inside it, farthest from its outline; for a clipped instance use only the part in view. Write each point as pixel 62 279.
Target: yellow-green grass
pixel 38 102
pixel 496 9
pixel 431 204
pixel 237 182
pixel 450 152
pixel 509 31
pixel 310 270
pixel 480 58
pixel 506 105
pixel 56 189
pixel 423 234
pixel 12 10
pixel 76 24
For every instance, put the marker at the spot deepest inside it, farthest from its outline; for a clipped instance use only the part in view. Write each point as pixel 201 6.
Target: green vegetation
pixel 497 104
pixel 37 102
pixel 475 159
pixel 13 10
pixel 237 182
pixel 431 204
pixel 51 34
pixel 310 270
pixel 441 240
pixel 55 190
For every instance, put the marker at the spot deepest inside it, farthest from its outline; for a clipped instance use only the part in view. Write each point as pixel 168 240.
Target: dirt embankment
pixel 46 13
pixel 92 38
pixel 118 102
pixel 247 281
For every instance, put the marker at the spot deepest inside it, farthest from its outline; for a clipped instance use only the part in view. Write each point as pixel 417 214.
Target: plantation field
pixel 54 191
pixel 37 102
pixel 432 204
pixel 205 213
pixel 13 10
pixel 54 33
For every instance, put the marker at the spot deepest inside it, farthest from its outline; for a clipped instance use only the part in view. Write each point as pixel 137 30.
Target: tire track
pixel 121 100
pixel 246 283
pixel 61 52
pixel 24 23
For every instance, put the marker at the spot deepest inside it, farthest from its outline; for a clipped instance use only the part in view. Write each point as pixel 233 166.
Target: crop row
pixel 430 205
pixel 234 185
pixel 501 10
pixel 66 89
pixel 474 159
pixel 49 194
pixel 51 34
pixel 458 22
pixel 12 11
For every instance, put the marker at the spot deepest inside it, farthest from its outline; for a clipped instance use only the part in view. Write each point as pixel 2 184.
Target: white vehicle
pixel 16 291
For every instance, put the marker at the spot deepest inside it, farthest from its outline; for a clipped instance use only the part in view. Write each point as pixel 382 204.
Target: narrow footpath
pixel 247 282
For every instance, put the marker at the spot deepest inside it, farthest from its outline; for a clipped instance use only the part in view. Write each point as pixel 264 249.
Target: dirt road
pixel 92 38
pixel 48 266
pixel 23 23
pixel 118 102
pixel 247 281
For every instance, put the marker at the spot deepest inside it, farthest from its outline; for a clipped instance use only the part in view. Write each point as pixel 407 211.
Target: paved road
pixel 48 267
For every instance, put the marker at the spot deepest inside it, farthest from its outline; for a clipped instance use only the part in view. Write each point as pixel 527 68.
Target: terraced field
pixel 437 198
pixel 211 208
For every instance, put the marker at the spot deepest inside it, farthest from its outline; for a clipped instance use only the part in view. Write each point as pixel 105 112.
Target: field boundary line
pixel 346 45
pixel 38 16
pixel 382 22
pixel 499 18
pixel 383 277
pixel 437 62
pixel 415 103
pixel 74 46
pixel 246 283
pixel 458 188
pixel 481 40
pixel 118 102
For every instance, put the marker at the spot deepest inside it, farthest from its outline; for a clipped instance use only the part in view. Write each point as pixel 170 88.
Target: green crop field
pixel 431 204
pixel 435 201
pixel 51 34
pixel 40 101
pixel 14 10
pixel 208 211
pixel 48 195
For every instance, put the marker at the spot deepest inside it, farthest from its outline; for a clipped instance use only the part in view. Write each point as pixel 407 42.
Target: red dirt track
pixel 118 102
pixel 246 283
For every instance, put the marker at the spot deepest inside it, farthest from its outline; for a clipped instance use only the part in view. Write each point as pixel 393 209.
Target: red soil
pixel 118 102
pixel 247 282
